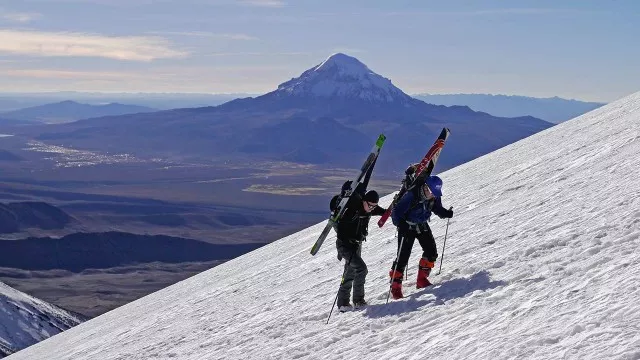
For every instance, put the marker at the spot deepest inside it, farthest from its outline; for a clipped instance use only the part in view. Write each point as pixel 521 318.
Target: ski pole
pixel 338 293
pixel 443 245
pixel 406 270
pixel 395 267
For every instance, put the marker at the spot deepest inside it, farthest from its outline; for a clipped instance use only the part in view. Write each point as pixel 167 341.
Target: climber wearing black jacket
pixel 352 230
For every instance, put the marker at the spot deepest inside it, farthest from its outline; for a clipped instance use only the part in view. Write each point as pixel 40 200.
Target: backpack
pixel 406 182
pixel 335 200
pixel 410 176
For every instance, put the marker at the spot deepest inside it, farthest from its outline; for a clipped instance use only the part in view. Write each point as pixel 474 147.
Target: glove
pixel 403 226
pixel 450 214
pixel 345 187
pixel 339 257
pixel 410 170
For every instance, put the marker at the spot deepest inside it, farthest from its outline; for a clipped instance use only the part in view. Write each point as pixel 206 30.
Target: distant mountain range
pixel 27 320
pixel 66 111
pixel 161 101
pixel 330 114
pixel 554 109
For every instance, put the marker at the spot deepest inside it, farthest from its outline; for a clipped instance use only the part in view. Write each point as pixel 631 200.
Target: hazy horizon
pixel 107 93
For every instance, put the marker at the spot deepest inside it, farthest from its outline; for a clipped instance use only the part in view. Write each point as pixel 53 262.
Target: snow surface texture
pixel 343 76
pixel 25 320
pixel 541 263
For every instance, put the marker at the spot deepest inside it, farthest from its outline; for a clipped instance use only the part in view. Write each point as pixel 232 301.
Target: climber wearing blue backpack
pixel 411 216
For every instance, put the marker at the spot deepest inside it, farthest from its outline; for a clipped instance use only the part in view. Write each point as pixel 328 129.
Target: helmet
pixel 435 185
pixel 371 196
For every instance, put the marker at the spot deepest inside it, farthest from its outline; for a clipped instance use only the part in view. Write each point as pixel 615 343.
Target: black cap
pixel 371 196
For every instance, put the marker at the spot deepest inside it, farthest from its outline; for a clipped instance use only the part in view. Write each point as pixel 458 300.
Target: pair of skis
pixel 423 170
pixel 340 209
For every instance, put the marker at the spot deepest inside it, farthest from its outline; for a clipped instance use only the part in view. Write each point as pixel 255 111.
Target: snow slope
pixel 25 320
pixel 541 263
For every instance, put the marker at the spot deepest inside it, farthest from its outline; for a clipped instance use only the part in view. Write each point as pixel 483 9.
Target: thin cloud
pixel 235 54
pixel 206 34
pixel 68 74
pixel 486 12
pixel 19 17
pixel 263 3
pixel 166 73
pixel 520 11
pixel 223 79
pixel 292 53
pixel 131 48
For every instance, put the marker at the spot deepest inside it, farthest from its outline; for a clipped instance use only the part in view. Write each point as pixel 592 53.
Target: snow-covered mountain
pixel 542 262
pixel 25 320
pixel 325 116
pixel 345 77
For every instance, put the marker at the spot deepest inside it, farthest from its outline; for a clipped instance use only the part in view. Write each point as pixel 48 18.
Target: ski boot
pixel 359 304
pixel 396 284
pixel 424 270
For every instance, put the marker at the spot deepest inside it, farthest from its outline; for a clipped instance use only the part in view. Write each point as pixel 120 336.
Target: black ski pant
pixel 407 237
pixel 355 273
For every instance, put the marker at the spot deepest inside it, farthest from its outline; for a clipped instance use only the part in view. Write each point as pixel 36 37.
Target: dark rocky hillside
pixel 81 251
pixel 20 215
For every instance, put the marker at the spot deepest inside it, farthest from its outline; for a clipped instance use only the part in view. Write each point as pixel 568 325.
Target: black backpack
pixel 335 200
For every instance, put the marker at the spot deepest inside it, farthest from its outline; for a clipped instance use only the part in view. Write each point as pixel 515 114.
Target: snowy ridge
pixel 343 76
pixel 25 320
pixel 541 263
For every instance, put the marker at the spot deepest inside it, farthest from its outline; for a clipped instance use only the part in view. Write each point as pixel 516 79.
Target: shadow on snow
pixel 440 293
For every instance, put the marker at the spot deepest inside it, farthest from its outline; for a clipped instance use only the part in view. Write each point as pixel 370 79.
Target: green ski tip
pixel 381 140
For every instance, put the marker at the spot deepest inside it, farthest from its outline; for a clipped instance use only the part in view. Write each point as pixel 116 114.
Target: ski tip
pixel 381 140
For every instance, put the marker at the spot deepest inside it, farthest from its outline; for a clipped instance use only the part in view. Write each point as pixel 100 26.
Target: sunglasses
pixel 371 205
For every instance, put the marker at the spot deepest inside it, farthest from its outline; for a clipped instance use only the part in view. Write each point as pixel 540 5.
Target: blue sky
pixel 585 50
